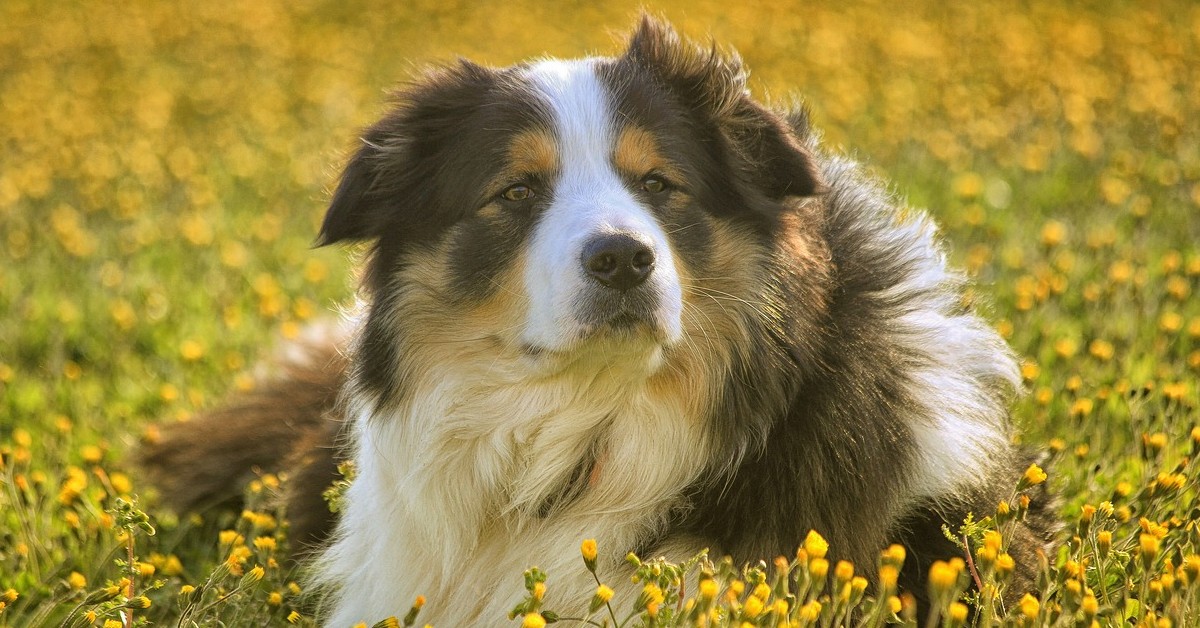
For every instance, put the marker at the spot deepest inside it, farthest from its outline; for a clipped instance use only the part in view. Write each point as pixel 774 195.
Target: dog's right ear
pixel 358 210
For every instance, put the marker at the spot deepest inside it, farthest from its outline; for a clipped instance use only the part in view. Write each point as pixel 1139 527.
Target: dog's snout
pixel 620 261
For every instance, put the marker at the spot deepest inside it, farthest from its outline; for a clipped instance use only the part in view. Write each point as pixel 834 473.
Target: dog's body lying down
pixel 616 298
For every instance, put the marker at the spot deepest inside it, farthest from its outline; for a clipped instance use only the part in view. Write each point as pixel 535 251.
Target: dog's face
pixel 558 204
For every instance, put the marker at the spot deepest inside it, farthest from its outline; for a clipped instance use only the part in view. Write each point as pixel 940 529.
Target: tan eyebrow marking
pixel 532 151
pixel 637 154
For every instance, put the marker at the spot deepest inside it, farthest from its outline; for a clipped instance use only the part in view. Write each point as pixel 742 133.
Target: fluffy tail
pixel 290 422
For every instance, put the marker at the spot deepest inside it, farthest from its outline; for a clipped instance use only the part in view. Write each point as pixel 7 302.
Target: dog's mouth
pixel 609 325
pixel 620 333
pixel 620 315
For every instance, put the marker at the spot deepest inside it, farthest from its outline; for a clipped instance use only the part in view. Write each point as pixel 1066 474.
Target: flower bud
pixel 588 550
pixel 602 596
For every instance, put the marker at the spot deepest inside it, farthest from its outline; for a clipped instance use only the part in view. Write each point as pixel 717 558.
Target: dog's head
pixel 552 204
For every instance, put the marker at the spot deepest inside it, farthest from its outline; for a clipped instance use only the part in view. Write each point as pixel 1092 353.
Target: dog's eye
pixel 654 185
pixel 518 192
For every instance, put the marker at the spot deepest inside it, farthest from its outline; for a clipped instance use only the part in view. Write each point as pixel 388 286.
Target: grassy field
pixel 162 175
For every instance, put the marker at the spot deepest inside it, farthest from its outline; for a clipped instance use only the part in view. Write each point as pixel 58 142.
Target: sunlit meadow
pixel 162 174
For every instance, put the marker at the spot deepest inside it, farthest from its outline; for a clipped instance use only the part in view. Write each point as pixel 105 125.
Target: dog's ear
pixel 357 210
pixel 385 185
pixel 765 149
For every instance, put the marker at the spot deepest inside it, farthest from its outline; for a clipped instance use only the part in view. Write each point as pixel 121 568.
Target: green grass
pixel 162 174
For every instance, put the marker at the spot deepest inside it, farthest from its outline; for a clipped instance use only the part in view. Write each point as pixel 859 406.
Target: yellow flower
pixel 533 620
pixel 10 595
pixel 255 574
pixel 942 577
pixel 815 545
pixel 1102 350
pixel 604 593
pixel 76 580
pixel 120 482
pixel 293 617
pixel 91 454
pixel 1004 565
pixel 843 571
pixel 888 575
pixel 1030 606
pixel 1155 442
pixel 588 550
pixel 957 613
pixel 1053 233
pixel 275 598
pixel 811 611
pixel 993 540
pixel 1030 370
pixel 1082 407
pixel 141 602
pixel 753 607
pixel 1090 606
pixel 1148 549
pixel 818 568
pixel 112 623
pixel 708 588
pixel 651 598
pixel 191 350
pixel 894 555
pixel 1191 568
pixel 1034 475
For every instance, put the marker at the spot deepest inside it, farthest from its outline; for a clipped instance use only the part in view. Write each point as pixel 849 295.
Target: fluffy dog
pixel 616 298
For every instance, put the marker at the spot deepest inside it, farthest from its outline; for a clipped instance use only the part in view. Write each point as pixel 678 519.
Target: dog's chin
pixel 622 334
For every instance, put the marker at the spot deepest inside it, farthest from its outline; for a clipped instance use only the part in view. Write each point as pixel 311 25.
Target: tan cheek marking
pixel 503 312
pixel 452 334
pixel 715 297
pixel 637 153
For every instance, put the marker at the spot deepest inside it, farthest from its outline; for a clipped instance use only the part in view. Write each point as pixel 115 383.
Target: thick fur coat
pixel 616 298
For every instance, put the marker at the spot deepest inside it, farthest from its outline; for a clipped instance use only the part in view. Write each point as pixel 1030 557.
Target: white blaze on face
pixel 589 199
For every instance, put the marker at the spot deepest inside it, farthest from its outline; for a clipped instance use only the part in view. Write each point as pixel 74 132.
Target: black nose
pixel 618 260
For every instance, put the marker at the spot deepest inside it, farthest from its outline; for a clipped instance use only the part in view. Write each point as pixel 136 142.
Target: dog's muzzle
pixel 620 266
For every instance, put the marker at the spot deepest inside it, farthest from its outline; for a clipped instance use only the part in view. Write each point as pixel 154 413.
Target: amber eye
pixel 653 185
pixel 518 192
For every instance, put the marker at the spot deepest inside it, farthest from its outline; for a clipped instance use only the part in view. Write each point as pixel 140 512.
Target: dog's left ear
pixel 763 146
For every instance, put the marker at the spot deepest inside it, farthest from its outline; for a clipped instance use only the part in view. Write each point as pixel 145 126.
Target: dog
pixel 617 298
